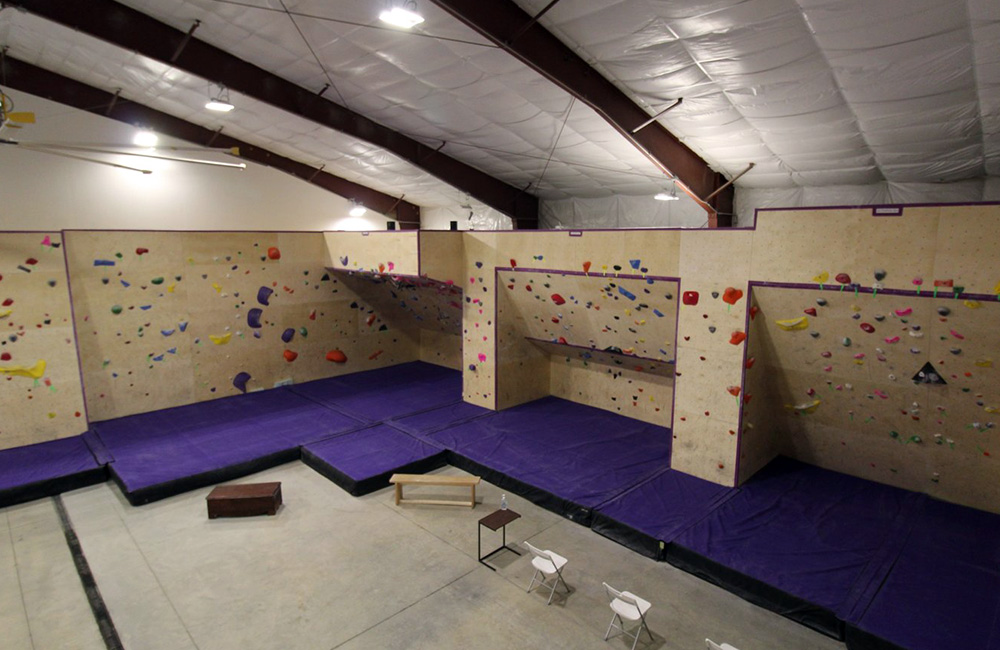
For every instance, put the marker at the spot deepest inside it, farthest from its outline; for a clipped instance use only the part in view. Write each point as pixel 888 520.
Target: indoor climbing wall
pixel 415 303
pixel 170 318
pixel 606 340
pixel 41 396
pixel 377 251
pixel 759 442
pixel 896 387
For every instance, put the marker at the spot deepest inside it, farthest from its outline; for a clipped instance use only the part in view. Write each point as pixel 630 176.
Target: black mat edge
pixel 360 487
pixel 568 509
pixel 629 537
pixel 53 486
pixel 858 639
pixel 756 591
pixel 159 491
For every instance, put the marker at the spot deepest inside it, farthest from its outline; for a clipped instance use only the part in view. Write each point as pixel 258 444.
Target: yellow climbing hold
pixel 805 408
pixel 6 312
pixel 822 278
pixel 215 285
pixel 790 324
pixel 170 289
pixel 34 372
pixel 972 304
pixel 220 340
pixel 992 409
pixel 984 363
pixel 996 289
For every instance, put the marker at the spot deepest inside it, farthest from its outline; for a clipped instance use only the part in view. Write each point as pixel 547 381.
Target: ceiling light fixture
pixel 220 103
pixel 402 15
pixel 145 139
pixel 357 210
pixel 663 196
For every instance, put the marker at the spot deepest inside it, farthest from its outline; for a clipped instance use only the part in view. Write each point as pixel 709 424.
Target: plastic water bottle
pixel 503 501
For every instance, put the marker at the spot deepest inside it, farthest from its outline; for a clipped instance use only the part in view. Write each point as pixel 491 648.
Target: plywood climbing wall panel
pixel 41 395
pixel 611 338
pixel 442 256
pixel 441 348
pixel 713 267
pixel 170 318
pixel 900 389
pixel 478 330
pixel 377 251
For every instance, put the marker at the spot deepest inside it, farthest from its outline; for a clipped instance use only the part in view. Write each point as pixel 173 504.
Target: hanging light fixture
pixel 220 102
pixel 145 138
pixel 663 196
pixel 401 14
pixel 357 210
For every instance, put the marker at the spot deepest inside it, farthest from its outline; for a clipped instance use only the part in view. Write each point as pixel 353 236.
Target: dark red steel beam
pixel 517 32
pixel 137 32
pixel 37 81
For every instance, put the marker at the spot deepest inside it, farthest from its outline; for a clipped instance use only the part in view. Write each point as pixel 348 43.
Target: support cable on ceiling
pixel 555 144
pixel 353 23
pixel 329 79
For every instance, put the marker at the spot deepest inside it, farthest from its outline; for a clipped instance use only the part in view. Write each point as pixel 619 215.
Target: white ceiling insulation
pixel 816 93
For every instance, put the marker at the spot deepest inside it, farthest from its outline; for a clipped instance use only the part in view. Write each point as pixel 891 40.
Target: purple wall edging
pixel 743 383
pixel 923 293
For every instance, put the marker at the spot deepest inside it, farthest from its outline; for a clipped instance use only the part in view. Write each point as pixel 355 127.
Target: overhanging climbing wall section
pixel 171 318
pixel 378 251
pixel 430 310
pixel 606 340
pixel 897 387
pixel 41 396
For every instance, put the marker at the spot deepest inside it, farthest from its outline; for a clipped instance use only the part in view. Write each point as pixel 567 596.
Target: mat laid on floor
pixel 653 513
pixel 427 422
pixel 566 457
pixel 47 468
pixel 386 393
pixel 362 461
pixel 167 452
pixel 800 540
pixel 944 587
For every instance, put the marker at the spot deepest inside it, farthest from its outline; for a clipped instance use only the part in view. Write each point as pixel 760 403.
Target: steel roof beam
pixel 43 83
pixel 137 32
pixel 518 33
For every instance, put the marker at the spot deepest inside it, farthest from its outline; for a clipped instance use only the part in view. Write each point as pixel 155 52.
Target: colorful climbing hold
pixel 737 337
pixel 287 335
pixel 791 324
pixel 732 295
pixel 32 372
pixel 273 253
pixel 253 317
pixel 557 299
pixel 240 381
pixel 290 355
pixel 116 309
pixel 868 327
pixel 336 356
pixel 903 312
pixel 220 340
pixel 810 311
pixel 690 298
pixel 843 278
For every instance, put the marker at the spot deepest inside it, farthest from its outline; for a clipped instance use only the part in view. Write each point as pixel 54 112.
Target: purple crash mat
pixel 393 392
pixel 47 468
pixel 362 461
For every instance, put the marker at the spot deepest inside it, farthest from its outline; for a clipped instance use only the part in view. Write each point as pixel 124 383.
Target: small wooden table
pixel 494 521
pixel 244 500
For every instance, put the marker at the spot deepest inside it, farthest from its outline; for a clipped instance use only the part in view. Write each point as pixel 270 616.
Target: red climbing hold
pixel 336 356
pixel 750 362
pixel 810 310
pixel 586 267
pixel 370 320
pixel 731 295
pixel 312 315
pixel 690 297
pixel 843 278
pixel 31 261
pixel 558 300
pixel 562 340
pixel 737 337
pixel 5 356
pixel 290 356
pixel 273 253
pixel 753 312
pixel 141 251
pixel 8 302
pixel 513 263
pixel 868 327
pixel 734 391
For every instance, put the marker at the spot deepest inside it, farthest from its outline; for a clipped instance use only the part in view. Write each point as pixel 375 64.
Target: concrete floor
pixel 335 571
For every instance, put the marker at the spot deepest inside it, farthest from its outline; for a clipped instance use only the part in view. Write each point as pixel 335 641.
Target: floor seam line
pixel 413 604
pixel 20 585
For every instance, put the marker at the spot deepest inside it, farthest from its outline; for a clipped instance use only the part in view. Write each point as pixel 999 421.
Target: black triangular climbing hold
pixel 928 375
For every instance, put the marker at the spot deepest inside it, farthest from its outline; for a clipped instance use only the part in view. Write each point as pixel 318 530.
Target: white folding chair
pixel 627 607
pixel 712 645
pixel 548 564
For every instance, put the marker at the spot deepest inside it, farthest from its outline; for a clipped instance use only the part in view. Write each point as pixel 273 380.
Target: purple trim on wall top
pixel 624 276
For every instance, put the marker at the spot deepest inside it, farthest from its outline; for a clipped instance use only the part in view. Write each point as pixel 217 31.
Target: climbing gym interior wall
pixel 170 318
pixel 40 393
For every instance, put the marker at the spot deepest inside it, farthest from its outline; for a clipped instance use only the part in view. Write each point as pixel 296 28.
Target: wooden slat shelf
pixel 606 357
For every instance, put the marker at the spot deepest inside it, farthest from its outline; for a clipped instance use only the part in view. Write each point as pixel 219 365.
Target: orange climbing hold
pixel 737 337
pixel 290 356
pixel 734 391
pixel 273 253
pixel 732 295
pixel 336 356
pixel 586 267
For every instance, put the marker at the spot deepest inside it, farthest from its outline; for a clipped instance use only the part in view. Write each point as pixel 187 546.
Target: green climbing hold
pixel 303 332
pixel 157 280
pixel 116 309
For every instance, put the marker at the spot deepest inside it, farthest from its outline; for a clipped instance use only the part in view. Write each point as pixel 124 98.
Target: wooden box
pixel 244 500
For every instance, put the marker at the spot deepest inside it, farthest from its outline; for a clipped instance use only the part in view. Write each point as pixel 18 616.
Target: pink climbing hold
pixel 558 300
pixel 904 312
pixel 826 354
pixel 892 339
pixel 881 394
pixel 957 335
pixel 482 358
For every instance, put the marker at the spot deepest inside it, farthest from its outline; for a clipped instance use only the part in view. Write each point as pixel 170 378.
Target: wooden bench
pixel 399 480
pixel 244 500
